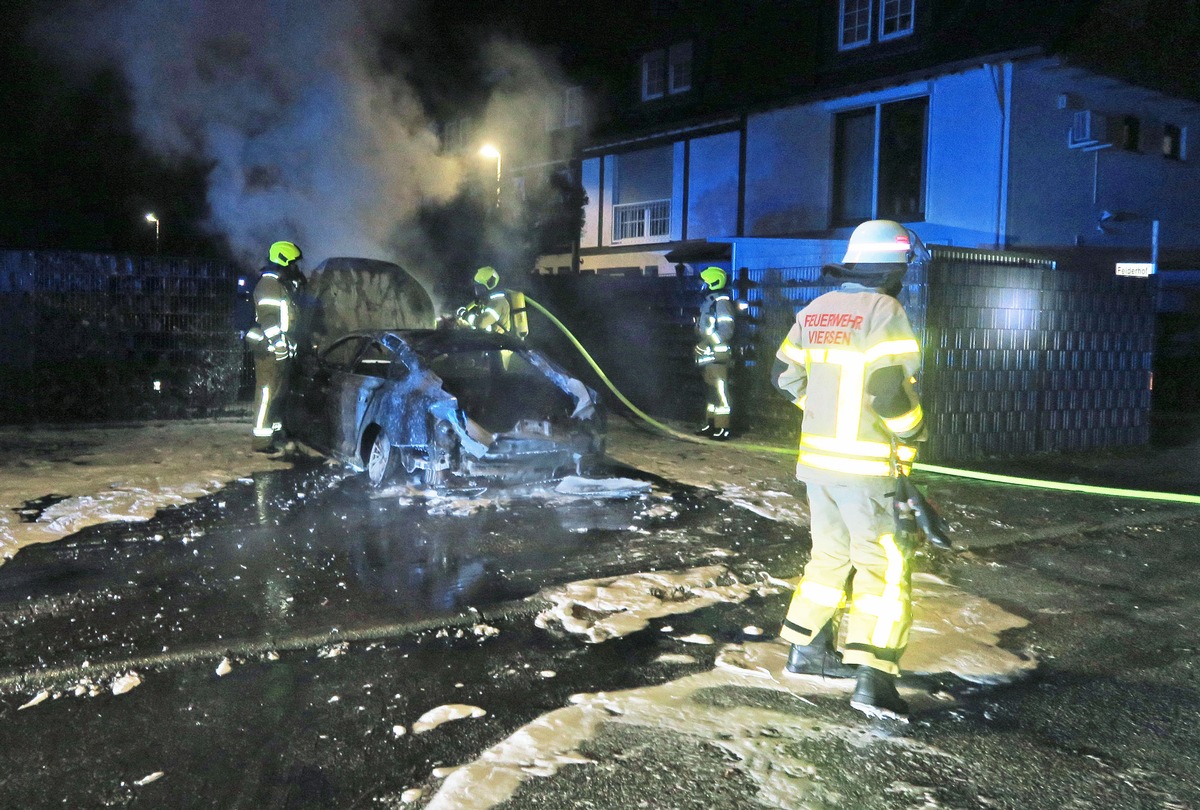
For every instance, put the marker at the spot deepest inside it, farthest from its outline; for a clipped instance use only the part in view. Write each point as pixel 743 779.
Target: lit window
pixel 895 19
pixel 1172 142
pixel 855 22
pixel 653 78
pixel 680 67
pixel 879 163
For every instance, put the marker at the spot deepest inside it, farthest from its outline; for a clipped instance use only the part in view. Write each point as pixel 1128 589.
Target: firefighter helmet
pixel 714 277
pixel 488 277
pixel 879 241
pixel 284 253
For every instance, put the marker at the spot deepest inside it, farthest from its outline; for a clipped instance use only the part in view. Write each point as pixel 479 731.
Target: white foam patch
pixel 600 609
pixel 953 631
pixel 116 473
pixel 602 487
pixel 445 714
pixel 781 507
pixel 762 740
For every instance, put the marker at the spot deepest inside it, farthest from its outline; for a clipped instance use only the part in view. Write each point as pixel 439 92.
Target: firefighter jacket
pixel 849 361
pixel 276 313
pixel 714 330
pixel 501 311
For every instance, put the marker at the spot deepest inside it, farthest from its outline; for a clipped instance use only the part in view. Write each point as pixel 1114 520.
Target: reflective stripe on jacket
pixel 714 329
pixel 827 359
pixel 273 306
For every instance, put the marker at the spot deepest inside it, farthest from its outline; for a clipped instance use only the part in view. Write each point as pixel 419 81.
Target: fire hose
pixel 918 498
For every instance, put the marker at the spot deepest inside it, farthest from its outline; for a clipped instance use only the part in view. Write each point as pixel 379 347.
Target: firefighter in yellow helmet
pixel 272 340
pixel 495 310
pixel 714 352
pixel 849 361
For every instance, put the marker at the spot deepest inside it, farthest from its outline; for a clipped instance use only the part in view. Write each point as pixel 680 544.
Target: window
pixel 1130 133
pixel 667 71
pixel 566 110
pixel 856 20
pixel 1172 142
pixel 679 65
pixel 340 354
pixel 895 18
pixel 642 194
pixel 879 163
pixel 855 24
pixel 456 134
pixel 653 80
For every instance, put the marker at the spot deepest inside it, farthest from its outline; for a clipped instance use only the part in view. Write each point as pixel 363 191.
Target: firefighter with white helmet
pixel 495 310
pixel 272 340
pixel 714 352
pixel 849 362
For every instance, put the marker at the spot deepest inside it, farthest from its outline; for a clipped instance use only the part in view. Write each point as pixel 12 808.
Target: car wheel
pixel 380 460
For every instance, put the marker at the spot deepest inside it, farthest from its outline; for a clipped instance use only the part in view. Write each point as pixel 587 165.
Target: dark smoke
pixel 307 138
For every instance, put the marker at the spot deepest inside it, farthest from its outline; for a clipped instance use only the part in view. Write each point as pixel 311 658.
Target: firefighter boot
pixel 720 435
pixel 706 430
pixel 819 658
pixel 875 695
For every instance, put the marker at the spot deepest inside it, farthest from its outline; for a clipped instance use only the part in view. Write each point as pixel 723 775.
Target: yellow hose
pixel 1113 492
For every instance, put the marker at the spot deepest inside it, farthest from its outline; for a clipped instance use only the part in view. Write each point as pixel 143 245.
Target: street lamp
pixel 151 218
pixel 492 153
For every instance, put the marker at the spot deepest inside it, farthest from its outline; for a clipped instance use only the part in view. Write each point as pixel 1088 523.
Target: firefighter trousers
pixel 270 386
pixel 717 408
pixel 856 566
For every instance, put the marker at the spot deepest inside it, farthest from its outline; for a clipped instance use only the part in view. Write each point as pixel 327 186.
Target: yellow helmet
pixel 488 277
pixel 284 253
pixel 879 241
pixel 714 277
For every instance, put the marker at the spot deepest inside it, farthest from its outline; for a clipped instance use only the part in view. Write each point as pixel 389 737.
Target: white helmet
pixel 879 241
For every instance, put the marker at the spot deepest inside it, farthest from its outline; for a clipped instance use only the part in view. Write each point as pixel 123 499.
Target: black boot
pixel 875 695
pixel 706 430
pixel 819 658
pixel 720 435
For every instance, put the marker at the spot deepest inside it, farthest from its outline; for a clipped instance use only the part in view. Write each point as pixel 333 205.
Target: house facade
pixel 1001 144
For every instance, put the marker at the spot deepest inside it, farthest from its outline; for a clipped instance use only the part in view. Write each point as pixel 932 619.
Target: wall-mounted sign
pixel 1137 269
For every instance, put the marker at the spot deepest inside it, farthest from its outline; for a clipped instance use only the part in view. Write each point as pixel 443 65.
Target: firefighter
pixel 495 310
pixel 849 362
pixel 714 352
pixel 272 340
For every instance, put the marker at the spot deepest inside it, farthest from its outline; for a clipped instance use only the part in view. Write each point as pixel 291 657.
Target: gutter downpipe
pixel 1002 83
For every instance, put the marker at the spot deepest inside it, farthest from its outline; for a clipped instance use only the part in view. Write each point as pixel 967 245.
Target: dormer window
pixel 862 22
pixel 667 71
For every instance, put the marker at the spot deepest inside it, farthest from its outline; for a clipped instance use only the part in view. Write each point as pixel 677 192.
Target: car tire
pixel 381 460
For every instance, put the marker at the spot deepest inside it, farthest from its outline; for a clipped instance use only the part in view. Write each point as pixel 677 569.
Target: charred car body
pixel 435 403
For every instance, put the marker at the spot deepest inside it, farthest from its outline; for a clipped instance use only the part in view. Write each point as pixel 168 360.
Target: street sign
pixel 1137 269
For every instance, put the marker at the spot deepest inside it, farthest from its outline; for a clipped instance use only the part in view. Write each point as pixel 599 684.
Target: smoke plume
pixel 307 138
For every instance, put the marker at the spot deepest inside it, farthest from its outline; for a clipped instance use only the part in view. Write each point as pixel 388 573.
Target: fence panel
pixel 96 336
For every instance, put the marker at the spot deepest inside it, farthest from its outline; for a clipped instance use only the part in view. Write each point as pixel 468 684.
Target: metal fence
pixel 1019 355
pixel 96 336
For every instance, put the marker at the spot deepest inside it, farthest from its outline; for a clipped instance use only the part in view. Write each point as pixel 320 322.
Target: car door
pixel 319 404
pixel 356 391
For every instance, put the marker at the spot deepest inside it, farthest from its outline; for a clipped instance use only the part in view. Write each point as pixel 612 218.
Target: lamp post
pixel 151 218
pixel 492 153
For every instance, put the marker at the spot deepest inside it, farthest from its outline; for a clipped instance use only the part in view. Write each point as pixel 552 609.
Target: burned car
pixel 434 403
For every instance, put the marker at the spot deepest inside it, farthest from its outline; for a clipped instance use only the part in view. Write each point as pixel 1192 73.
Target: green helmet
pixel 714 277
pixel 284 253
pixel 488 277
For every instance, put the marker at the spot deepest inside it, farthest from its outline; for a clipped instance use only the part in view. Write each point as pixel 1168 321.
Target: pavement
pixel 1106 592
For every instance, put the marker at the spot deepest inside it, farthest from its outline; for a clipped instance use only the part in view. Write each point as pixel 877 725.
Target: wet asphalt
pixel 343 615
